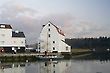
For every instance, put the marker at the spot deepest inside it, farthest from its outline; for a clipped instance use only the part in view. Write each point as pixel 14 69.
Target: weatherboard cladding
pixel 5 26
pixel 19 34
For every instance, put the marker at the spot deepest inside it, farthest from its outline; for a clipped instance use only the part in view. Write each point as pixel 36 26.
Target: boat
pixel 49 57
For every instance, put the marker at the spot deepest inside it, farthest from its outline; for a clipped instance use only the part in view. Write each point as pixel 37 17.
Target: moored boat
pixel 50 57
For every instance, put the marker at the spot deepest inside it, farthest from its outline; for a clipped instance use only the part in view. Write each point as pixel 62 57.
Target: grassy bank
pixel 76 52
pixel 79 51
pixel 17 58
pixel 32 57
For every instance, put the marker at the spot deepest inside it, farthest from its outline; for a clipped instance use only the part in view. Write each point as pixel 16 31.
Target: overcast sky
pixel 77 18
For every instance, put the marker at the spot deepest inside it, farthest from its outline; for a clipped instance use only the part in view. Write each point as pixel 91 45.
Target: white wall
pixel 18 42
pixel 6 39
pixel 53 37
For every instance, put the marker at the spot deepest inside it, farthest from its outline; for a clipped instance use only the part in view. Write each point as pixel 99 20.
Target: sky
pixel 76 18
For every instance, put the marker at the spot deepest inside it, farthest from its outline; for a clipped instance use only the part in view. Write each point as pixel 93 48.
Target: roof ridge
pixel 58 29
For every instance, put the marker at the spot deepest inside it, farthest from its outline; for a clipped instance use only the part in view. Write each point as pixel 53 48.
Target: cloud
pixel 30 22
pixel 74 27
pixel 21 18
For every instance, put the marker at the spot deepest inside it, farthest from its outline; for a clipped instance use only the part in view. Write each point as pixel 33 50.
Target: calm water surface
pixel 64 66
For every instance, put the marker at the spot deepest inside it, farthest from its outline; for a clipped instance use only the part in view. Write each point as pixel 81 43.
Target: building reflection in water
pixel 55 66
pixel 64 66
pixel 38 67
pixel 48 67
pixel 12 68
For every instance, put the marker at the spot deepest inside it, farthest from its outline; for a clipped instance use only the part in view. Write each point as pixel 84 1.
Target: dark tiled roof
pixel 58 29
pixel 5 26
pixel 17 34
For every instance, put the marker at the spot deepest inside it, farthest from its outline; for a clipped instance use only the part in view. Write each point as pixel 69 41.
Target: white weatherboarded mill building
pixel 11 40
pixel 52 39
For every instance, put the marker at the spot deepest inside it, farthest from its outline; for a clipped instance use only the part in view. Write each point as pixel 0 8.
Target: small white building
pixel 52 39
pixel 11 40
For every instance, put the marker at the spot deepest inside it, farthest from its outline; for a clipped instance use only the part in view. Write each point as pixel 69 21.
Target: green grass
pixel 79 51
pixel 76 50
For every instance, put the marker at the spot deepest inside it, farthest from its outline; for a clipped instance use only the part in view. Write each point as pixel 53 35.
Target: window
pixel 49 29
pixel 49 24
pixel 39 47
pixel 66 47
pixel 53 41
pixel 53 71
pixel 49 35
pixel 53 65
pixel 53 48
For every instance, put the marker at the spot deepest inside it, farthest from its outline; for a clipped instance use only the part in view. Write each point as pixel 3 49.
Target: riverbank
pixel 17 57
pixel 27 57
pixel 79 54
pixel 32 58
pixel 7 57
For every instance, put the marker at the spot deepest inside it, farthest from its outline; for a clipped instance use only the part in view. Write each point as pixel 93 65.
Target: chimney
pixel 43 25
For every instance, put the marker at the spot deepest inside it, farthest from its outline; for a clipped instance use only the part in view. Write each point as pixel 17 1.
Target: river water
pixel 61 66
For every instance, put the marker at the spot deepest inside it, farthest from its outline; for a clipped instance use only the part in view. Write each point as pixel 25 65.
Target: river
pixel 61 66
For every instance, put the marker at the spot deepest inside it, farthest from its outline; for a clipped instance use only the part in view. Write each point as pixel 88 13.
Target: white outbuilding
pixel 52 39
pixel 11 40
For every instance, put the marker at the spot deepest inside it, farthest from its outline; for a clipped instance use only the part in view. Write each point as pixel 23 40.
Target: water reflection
pixel 49 67
pixel 64 66
pixel 90 66
pixel 12 68
pixel 95 56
